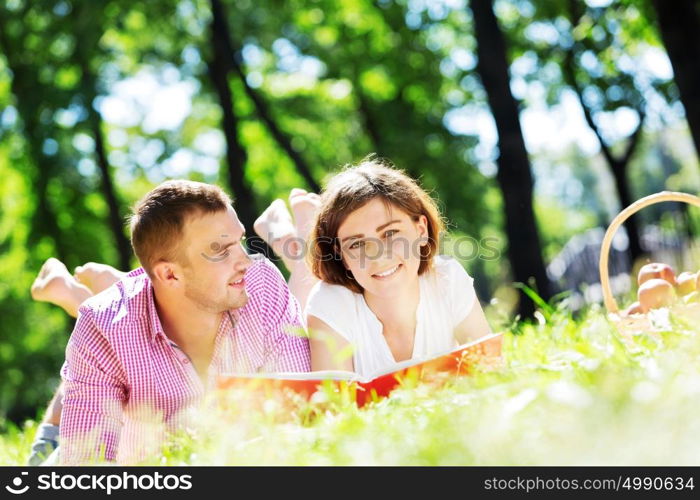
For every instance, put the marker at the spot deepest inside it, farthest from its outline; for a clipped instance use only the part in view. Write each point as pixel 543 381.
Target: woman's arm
pixel 474 326
pixel 329 350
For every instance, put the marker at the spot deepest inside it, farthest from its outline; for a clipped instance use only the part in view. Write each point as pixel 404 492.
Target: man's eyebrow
pixel 223 246
pixel 356 236
pixel 226 245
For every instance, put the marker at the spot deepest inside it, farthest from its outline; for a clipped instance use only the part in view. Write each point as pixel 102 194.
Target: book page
pixel 352 376
pixel 318 375
pixel 412 362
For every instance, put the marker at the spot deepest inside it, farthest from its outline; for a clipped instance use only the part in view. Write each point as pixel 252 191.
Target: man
pixel 145 350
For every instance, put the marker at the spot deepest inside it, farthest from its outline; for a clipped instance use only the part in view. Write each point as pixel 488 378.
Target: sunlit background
pixel 101 101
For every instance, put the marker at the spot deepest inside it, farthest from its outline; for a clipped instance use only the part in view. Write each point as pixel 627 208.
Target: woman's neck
pixel 398 309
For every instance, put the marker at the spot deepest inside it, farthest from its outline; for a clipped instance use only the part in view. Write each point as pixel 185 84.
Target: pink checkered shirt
pixel 127 384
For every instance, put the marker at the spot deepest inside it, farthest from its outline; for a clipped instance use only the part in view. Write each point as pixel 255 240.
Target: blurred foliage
pixel 570 392
pixel 341 79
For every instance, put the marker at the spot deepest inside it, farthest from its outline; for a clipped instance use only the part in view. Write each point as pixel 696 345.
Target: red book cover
pixel 366 389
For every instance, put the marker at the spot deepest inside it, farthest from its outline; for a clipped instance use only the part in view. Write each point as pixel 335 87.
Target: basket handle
pixel 635 207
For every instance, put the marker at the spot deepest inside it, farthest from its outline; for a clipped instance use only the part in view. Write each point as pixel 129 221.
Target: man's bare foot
pixel 97 277
pixel 304 207
pixel 55 284
pixel 275 226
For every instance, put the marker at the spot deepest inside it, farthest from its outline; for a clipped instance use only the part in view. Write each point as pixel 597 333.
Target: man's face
pixel 215 261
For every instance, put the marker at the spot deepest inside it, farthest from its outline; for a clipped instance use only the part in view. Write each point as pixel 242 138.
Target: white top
pixel 446 297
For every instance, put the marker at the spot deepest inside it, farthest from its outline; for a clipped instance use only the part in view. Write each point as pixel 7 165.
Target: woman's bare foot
pixel 97 277
pixel 55 284
pixel 304 207
pixel 275 226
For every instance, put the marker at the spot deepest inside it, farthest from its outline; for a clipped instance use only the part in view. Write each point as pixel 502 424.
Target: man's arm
pixel 286 343
pixel 94 395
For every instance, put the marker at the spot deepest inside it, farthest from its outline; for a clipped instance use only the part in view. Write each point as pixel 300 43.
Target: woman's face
pixel 381 247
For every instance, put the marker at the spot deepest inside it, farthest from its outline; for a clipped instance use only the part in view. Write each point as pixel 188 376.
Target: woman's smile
pixel 388 273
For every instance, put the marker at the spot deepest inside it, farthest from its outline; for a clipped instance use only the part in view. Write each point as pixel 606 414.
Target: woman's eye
pixel 390 233
pixel 357 245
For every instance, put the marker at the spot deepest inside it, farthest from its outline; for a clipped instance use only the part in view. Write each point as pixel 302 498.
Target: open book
pixel 365 389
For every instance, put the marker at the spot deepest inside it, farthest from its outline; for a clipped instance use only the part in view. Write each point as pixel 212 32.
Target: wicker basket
pixel 655 320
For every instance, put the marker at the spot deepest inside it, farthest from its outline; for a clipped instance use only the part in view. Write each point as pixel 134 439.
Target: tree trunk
pixel 116 220
pixel 236 155
pixel 618 165
pixel 90 34
pixel 282 139
pixel 115 215
pixel 514 175
pixel 679 24
pixel 43 220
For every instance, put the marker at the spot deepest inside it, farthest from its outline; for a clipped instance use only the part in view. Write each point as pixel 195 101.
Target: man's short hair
pixel 158 220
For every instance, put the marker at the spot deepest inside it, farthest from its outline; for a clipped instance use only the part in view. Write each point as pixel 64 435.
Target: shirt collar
pixel 154 323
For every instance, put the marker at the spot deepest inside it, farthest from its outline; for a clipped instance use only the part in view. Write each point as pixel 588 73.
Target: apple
pixel 655 293
pixel 686 283
pixel 634 308
pixel 656 270
pixel 692 297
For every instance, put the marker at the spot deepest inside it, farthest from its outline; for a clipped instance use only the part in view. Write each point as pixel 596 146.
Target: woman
pixel 384 293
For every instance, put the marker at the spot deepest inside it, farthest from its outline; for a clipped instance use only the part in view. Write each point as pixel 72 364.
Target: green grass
pixel 570 393
pixel 15 444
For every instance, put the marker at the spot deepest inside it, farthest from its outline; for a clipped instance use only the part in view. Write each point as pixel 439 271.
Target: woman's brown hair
pixel 352 188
